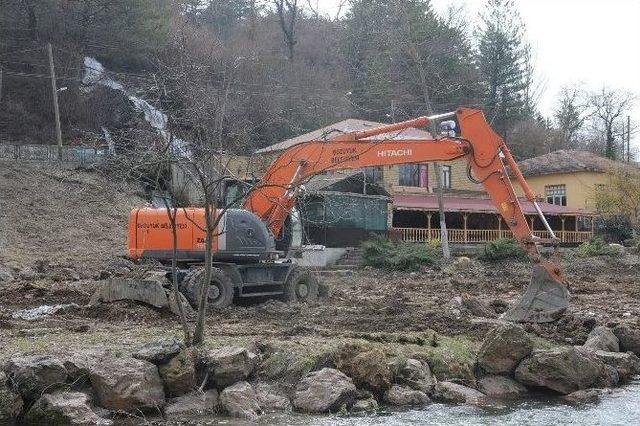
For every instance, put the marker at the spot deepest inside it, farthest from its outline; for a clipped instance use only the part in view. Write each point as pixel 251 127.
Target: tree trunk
pixel 174 274
pixel 444 236
pixel 198 334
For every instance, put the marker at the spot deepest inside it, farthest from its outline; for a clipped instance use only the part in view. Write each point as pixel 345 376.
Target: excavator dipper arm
pixel 273 198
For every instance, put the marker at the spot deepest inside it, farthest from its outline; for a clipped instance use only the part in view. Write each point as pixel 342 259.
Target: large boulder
pixel 585 395
pixel 230 365
pixel 36 374
pixel 159 351
pixel 500 387
pixel 602 339
pixel 405 396
pixel 127 384
pixel 627 364
pixel 240 400
pixel 270 399
pixel 10 402
pixel 476 307
pixel 454 392
pixel 189 312
pixel 324 391
pixel 368 369
pixel 417 375
pixel 503 348
pixel 191 405
pixel 64 408
pixel 564 370
pixel 179 374
pixel 629 338
pixel 79 364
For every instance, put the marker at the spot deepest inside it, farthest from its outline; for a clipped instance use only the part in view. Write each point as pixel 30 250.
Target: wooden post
pixel 562 239
pixel 499 226
pixel 444 237
pixel 464 218
pixel 533 218
pixel 592 226
pixel 429 215
pixel 0 83
pixel 576 221
pixel 56 108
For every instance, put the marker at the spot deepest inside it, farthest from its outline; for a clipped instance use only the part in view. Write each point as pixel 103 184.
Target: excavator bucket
pixel 545 300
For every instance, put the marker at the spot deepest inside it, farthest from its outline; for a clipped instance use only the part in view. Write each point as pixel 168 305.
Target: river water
pixel 621 407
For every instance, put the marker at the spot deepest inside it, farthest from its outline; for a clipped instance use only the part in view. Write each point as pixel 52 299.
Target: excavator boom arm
pixel 274 197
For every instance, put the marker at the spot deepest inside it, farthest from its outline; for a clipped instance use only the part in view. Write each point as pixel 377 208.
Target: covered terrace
pixel 476 220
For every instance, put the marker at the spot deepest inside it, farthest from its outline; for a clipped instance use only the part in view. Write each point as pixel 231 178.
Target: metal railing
pixel 471 236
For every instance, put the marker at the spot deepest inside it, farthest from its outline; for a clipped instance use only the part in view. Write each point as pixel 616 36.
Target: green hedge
pixel 505 248
pixel 596 247
pixel 384 254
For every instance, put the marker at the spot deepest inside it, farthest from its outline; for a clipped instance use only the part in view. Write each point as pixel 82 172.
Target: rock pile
pixel 166 379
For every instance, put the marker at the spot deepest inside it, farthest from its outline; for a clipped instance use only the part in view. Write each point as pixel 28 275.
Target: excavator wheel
pixel 545 299
pixel 301 286
pixel 220 288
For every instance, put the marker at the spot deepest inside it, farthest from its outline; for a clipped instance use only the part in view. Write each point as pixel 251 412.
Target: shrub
pixel 614 228
pixel 596 247
pixel 504 248
pixel 384 254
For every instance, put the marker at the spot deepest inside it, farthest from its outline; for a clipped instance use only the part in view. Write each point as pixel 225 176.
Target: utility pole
pixel 56 108
pixel 393 111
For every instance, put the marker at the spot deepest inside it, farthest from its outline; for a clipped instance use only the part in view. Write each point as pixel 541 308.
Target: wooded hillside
pixel 243 74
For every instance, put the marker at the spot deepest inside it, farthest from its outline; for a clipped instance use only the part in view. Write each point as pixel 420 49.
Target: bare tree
pixel 621 195
pixel 287 15
pixel 609 106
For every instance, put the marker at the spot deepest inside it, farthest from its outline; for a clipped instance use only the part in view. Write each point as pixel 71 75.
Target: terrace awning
pixel 429 202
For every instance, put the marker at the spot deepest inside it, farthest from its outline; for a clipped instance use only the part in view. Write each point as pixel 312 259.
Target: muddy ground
pixel 370 304
pixel 67 239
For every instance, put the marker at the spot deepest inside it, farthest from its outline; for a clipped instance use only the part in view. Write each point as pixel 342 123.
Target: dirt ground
pixel 82 225
pixel 63 215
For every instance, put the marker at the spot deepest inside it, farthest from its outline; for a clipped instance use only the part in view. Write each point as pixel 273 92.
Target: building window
pixel 373 174
pixel 446 177
pixel 556 194
pixel 413 175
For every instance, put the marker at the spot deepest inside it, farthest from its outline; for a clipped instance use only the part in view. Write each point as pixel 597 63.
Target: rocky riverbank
pixel 163 381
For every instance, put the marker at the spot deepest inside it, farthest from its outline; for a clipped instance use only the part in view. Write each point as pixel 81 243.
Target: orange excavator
pixel 246 263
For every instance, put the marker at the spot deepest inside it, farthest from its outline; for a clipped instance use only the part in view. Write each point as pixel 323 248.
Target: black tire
pixel 220 291
pixel 283 241
pixel 301 286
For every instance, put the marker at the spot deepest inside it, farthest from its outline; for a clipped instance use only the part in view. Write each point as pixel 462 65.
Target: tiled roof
pixel 563 161
pixel 349 125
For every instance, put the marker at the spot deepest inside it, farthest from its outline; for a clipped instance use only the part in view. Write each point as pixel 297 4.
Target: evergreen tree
pixel 398 48
pixel 569 116
pixel 504 62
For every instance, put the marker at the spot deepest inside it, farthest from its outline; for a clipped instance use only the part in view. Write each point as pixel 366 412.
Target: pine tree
pixel 504 63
